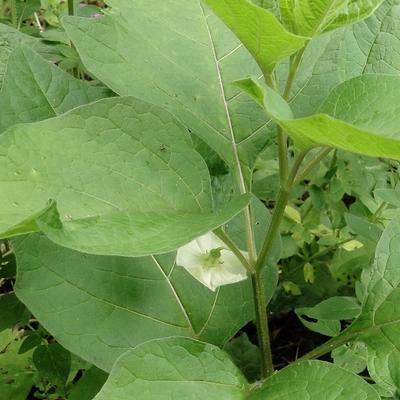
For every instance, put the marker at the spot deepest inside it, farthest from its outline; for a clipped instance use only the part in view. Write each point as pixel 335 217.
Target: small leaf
pixel 352 245
pixel 325 317
pixel 309 274
pixel 88 385
pixel 291 288
pixel 259 30
pixel 293 214
pixel 12 311
pixel 53 363
pixel 352 358
pixel 246 356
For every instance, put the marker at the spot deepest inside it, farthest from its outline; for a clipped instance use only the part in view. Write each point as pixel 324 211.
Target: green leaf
pixel 26 8
pixel 315 380
pixel 12 311
pixel 11 39
pixel 246 356
pixel 258 29
pixel 188 70
pixel 346 53
pixel 361 115
pixel 129 184
pixel 379 323
pixel 53 363
pixel 325 317
pixel 17 373
pixel 34 90
pixel 178 368
pixel 98 307
pixel 352 358
pixel 89 385
pixel 312 17
pixel 174 368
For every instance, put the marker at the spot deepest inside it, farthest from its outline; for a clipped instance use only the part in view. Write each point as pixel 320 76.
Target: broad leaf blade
pixel 311 17
pixel 174 368
pixel 34 90
pixel 361 115
pixel 187 70
pixel 379 323
pixel 129 184
pixel 115 303
pixel 259 30
pixel 315 380
pixel 346 53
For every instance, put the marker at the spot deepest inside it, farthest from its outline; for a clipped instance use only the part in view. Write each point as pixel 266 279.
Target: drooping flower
pixel 208 260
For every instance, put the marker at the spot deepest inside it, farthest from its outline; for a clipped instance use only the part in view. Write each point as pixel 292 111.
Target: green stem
pixel 235 250
pixel 332 344
pixel 374 218
pixel 309 167
pixel 328 249
pixel 267 366
pixel 71 7
pixel 14 16
pixel 294 67
pixel 283 155
pixel 281 203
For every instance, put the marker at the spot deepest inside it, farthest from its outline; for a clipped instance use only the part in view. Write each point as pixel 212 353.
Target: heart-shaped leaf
pixel 98 307
pixel 178 368
pixel 138 50
pixel 129 184
pixel 34 90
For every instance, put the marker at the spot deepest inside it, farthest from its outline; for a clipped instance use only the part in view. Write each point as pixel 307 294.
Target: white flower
pixel 208 259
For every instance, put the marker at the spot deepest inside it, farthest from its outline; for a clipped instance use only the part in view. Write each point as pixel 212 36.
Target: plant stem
pixel 294 67
pixel 327 347
pixel 235 250
pixel 309 167
pixel 71 7
pixel 14 16
pixel 267 366
pixel 281 203
pixel 283 155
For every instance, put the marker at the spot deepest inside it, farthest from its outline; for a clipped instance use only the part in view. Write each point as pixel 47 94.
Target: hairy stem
pixel 294 67
pixel 235 250
pixel 281 203
pixel 332 344
pixel 71 7
pixel 267 366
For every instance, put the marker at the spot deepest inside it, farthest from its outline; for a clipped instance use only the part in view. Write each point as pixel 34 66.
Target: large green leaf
pixel 180 56
pixel 315 380
pixel 98 307
pixel 361 115
pixel 311 17
pixel 174 368
pixel 34 90
pixel 130 182
pixel 10 39
pixel 379 323
pixel 177 368
pixel 344 54
pixel 259 30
